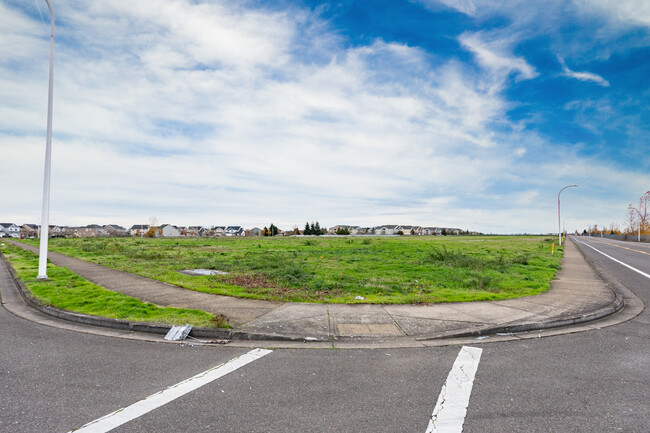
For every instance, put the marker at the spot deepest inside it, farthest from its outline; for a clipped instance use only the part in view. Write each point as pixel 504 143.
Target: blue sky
pixel 434 112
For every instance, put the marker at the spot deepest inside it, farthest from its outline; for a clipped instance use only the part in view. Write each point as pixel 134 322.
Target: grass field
pixel 68 291
pixel 337 269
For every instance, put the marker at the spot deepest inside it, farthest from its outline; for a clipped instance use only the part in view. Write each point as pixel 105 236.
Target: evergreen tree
pixel 317 229
pixel 307 230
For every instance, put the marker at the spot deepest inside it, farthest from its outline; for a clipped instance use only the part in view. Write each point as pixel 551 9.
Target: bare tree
pixel 153 227
pixel 640 212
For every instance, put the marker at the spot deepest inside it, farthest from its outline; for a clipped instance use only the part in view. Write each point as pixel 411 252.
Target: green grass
pixel 337 269
pixel 68 291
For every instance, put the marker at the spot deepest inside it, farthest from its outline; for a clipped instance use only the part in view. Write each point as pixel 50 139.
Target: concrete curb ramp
pixel 577 296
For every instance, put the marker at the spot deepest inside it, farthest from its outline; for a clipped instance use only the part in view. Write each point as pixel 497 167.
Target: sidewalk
pixel 577 295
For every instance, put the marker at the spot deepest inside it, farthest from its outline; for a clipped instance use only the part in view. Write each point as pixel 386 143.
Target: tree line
pixel 314 229
pixel 638 219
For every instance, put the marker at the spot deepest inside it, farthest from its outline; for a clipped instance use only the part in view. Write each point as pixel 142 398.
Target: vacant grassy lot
pixel 68 291
pixel 337 269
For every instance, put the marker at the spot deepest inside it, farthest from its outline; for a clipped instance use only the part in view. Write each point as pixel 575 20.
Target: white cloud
pixel 208 114
pixel 635 12
pixel 494 55
pixel 582 76
pixel 465 6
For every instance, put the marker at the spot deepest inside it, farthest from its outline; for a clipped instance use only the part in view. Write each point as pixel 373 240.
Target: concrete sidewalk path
pixel 577 295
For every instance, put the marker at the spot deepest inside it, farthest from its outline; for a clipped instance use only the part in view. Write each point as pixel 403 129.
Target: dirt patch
pixel 249 281
pixel 260 281
pixel 220 321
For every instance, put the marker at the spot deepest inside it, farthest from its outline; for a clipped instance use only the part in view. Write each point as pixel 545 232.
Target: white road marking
pixel 122 416
pixel 617 261
pixel 449 414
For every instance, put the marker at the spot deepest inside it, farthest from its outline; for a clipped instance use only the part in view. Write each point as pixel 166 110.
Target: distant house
pixel 409 230
pixel 138 230
pixel 90 231
pixel 353 230
pixel 219 230
pixel 10 230
pixel 255 231
pixel 29 230
pixel 115 230
pixel 61 231
pixel 234 231
pixel 194 231
pixel 431 231
pixel 168 231
pixel 386 230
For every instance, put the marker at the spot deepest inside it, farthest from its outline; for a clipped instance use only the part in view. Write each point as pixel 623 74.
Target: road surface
pixel 55 380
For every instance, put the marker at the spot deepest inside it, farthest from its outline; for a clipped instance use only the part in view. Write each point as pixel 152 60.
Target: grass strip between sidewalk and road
pixel 68 291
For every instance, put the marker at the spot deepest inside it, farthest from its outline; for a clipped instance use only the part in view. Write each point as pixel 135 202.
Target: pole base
pixel 42 278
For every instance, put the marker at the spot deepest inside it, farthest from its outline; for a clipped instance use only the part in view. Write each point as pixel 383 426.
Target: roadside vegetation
pixel 68 291
pixel 638 221
pixel 337 269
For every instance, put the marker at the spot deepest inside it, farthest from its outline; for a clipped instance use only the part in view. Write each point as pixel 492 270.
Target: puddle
pixel 200 272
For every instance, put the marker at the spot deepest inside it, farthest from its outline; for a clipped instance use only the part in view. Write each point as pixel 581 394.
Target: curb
pixel 614 307
pixel 125 325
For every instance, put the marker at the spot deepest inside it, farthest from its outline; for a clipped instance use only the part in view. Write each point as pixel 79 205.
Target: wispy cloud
pixel 494 54
pixel 582 76
pixel 465 6
pixel 626 11
pixel 369 122
pixel 216 112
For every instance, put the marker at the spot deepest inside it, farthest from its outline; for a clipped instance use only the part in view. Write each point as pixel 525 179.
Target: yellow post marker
pixel 553 248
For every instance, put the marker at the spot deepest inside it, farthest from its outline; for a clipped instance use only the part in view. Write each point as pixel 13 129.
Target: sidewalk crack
pixel 329 325
pixel 397 325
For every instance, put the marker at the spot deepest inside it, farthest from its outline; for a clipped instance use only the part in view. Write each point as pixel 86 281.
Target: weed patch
pixel 409 269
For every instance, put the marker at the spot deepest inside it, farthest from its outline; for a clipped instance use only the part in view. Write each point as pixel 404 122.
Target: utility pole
pixel 45 214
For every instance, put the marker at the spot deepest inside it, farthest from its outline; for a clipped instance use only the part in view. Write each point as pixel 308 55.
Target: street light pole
pixel 639 235
pixel 559 228
pixel 45 214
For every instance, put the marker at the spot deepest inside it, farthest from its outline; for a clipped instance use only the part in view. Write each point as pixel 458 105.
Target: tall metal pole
pixel 559 227
pixel 45 215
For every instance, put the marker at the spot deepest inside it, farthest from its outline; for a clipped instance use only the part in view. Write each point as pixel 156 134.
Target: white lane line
pixel 124 415
pixel 617 261
pixel 449 414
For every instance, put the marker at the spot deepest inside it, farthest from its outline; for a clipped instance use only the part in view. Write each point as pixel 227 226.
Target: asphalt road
pixel 54 380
